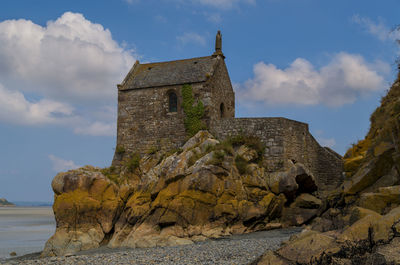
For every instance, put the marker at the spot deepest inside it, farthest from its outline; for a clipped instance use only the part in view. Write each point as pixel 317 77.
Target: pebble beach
pixel 238 249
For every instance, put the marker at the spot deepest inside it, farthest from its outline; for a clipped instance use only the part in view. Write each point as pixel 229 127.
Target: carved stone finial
pixel 218 45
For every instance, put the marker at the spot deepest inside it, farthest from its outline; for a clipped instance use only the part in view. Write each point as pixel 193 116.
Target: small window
pixel 222 110
pixel 173 102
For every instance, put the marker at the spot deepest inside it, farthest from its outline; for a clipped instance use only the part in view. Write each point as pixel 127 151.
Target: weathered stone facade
pixel 146 122
pixel 286 140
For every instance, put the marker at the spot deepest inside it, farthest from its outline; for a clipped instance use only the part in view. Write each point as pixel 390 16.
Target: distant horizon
pixel 30 203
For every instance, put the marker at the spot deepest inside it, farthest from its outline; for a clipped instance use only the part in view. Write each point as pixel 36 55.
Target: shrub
pixel 217 158
pixel 153 150
pixel 111 173
pixel 133 162
pixel 120 149
pixel 226 146
pixel 194 157
pixel 241 164
pixel 250 141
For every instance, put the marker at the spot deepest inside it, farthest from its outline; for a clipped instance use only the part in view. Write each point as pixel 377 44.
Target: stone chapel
pixel 150 115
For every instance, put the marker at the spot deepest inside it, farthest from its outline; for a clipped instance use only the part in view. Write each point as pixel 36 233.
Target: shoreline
pixel 235 249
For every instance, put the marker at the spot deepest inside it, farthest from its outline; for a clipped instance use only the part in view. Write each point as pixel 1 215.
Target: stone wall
pixel 144 120
pixel 286 140
pixel 221 93
pixel 145 123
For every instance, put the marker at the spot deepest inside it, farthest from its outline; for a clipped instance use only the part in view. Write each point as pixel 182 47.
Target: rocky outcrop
pixel 86 207
pixel 360 221
pixel 373 239
pixel 207 189
pixel 5 203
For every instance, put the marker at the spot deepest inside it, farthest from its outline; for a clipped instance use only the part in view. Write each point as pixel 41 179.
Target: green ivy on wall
pixel 193 113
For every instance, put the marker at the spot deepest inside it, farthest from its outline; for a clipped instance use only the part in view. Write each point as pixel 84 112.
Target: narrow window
pixel 173 102
pixel 222 110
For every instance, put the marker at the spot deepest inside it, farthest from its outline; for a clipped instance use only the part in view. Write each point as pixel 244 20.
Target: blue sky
pixel 326 63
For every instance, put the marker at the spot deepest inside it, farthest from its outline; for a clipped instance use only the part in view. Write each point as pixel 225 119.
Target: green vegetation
pixel 111 173
pixel 384 132
pixel 193 113
pixel 120 150
pixel 252 142
pixel 227 147
pixel 153 150
pixel 217 158
pixel 241 164
pixel 195 156
pixel 133 162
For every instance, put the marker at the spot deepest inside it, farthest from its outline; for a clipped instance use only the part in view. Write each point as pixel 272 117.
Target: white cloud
pixel 71 58
pixel 328 142
pixel 70 67
pixel 15 108
pixel 345 78
pixel 191 37
pixel 223 4
pixel 60 164
pixel 213 17
pixel 131 1
pixel 97 129
pixel 377 29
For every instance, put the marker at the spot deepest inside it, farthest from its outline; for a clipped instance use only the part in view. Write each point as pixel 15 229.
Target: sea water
pixel 25 229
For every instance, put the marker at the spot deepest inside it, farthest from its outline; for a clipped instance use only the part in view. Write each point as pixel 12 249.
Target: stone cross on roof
pixel 218 45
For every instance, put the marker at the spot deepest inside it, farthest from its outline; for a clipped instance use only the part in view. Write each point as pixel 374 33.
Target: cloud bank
pixel 191 38
pixel 344 79
pixel 376 28
pixel 69 63
pixel 60 164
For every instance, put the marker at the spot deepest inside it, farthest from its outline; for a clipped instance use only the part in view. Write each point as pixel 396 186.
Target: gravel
pixel 238 249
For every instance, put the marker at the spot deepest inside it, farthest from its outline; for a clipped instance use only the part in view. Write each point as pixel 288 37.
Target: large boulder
pixel 296 179
pixel 86 206
pixel 373 239
pixel 307 201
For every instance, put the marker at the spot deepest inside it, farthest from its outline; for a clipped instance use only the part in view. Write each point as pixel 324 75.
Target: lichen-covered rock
pixel 86 205
pixel 361 218
pixel 270 258
pixel 390 253
pixel 382 201
pixel 296 178
pixel 307 201
pixel 193 194
pixel 297 216
pixel 371 238
pixel 304 249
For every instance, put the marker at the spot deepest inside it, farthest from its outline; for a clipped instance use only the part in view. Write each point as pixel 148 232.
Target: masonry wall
pixel 286 140
pixel 144 121
pixel 221 93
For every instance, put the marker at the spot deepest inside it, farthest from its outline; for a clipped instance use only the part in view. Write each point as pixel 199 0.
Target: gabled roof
pixel 169 73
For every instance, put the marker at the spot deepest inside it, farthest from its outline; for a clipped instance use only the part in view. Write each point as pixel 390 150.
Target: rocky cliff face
pixel 361 221
pixel 207 189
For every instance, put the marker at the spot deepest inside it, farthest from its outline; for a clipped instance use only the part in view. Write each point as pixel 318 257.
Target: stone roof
pixel 169 73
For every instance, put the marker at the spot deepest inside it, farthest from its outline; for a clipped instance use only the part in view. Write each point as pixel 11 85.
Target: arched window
pixel 173 102
pixel 222 110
